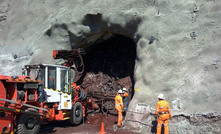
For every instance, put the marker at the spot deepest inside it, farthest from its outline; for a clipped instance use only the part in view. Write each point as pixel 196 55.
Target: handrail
pixel 27 105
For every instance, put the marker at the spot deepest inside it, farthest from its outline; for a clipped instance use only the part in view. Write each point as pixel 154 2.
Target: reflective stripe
pixel 118 104
pixel 157 110
pixel 165 124
pixel 119 116
pixel 161 107
pixel 164 112
pixel 159 125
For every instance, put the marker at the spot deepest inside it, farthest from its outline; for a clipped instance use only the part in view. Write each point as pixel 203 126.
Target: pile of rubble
pixel 103 83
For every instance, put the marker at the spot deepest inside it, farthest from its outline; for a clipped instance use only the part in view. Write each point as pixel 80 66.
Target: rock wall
pixel 178 44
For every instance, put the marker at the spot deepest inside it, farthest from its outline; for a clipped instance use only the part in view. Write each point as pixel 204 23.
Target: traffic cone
pixel 102 129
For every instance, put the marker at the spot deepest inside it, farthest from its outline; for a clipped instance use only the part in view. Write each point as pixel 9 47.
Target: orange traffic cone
pixel 102 129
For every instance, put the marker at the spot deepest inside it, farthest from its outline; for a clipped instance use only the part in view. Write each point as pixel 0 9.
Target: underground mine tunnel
pixel 109 66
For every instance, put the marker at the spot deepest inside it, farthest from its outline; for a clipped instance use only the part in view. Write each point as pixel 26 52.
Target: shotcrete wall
pixel 177 43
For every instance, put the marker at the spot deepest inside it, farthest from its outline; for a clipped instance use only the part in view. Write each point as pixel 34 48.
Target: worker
pixel 63 82
pixel 51 83
pixel 51 79
pixel 163 114
pixel 125 99
pixel 119 106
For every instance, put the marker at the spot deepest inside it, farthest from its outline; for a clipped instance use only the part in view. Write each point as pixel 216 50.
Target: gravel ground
pixel 92 125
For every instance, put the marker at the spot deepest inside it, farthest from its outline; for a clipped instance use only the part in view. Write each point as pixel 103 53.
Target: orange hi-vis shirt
pixel 125 94
pixel 119 101
pixel 163 107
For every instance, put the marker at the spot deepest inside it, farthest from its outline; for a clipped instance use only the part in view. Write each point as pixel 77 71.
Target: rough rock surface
pixel 178 48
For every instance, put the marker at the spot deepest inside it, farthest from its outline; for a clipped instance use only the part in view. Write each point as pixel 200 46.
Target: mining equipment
pixel 101 87
pixel 44 93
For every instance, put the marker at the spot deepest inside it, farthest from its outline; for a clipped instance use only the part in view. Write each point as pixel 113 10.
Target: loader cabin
pixel 55 80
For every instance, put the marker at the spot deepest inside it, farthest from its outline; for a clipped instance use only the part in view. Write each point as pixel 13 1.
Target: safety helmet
pixel 124 89
pixel 120 91
pixel 161 96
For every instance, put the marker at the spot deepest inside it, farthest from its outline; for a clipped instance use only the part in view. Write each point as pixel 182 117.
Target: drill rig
pixel 101 88
pixel 44 93
pixel 49 92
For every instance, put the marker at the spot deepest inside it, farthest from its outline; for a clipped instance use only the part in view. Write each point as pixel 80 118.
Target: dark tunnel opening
pixel 109 65
pixel 115 57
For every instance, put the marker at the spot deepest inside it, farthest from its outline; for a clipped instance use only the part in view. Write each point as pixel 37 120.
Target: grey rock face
pixel 177 42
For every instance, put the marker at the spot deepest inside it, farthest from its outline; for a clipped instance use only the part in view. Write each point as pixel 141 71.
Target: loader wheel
pixel 76 114
pixel 28 123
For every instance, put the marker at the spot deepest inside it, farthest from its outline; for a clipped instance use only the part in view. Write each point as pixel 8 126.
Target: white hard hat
pixel 124 89
pixel 161 96
pixel 120 91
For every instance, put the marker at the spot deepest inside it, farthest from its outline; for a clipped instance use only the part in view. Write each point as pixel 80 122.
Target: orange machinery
pixel 44 93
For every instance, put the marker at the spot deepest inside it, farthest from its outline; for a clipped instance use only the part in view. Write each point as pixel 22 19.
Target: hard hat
pixel 124 89
pixel 120 91
pixel 161 96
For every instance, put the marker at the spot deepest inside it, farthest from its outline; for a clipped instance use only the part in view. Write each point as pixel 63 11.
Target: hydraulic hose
pixel 83 95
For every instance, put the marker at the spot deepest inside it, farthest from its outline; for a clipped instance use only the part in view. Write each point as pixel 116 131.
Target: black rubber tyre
pixel 76 114
pixel 28 123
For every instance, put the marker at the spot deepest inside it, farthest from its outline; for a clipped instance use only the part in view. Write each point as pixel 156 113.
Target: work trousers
pixel 125 100
pixel 120 116
pixel 164 121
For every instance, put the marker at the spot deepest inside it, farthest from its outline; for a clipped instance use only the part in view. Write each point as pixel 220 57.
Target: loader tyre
pixel 28 123
pixel 76 114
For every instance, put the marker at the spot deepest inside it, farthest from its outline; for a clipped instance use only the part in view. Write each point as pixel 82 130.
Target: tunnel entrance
pixel 115 57
pixel 109 66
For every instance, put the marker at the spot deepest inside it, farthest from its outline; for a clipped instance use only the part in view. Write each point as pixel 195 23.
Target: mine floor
pixel 92 125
